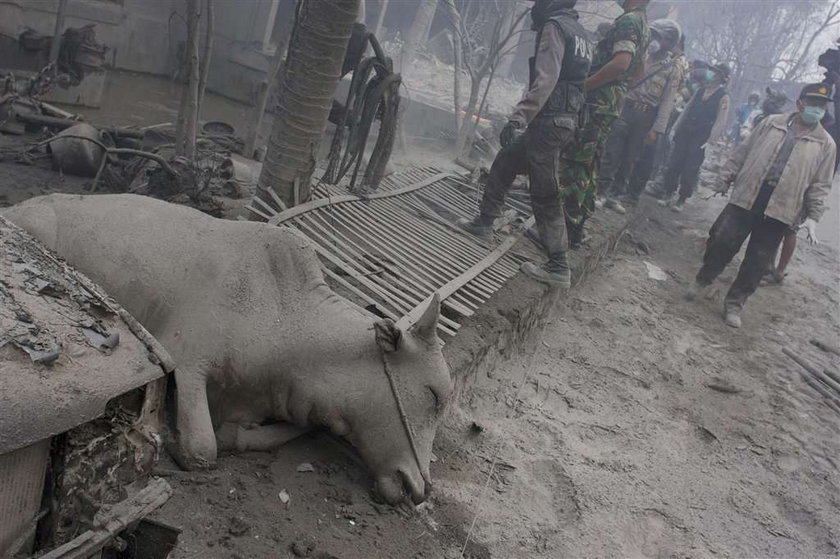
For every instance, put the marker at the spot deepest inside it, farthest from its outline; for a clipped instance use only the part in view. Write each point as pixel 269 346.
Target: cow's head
pixel 374 425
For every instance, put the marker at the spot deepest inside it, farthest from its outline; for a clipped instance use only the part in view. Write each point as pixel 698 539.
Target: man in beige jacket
pixel 781 175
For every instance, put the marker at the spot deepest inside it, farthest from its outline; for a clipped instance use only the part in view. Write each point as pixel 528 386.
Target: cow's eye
pixel 435 397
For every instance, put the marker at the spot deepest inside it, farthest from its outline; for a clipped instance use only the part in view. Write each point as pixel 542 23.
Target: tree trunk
pixel 458 48
pixel 209 32
pixel 188 111
pixel 306 85
pixel 418 33
pixel 506 60
pixel 259 112
pixel 466 133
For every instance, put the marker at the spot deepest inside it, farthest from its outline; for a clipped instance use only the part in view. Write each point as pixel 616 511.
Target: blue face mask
pixel 811 115
pixel 709 76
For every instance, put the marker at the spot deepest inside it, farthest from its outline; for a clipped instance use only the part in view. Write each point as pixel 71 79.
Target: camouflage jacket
pixel 629 33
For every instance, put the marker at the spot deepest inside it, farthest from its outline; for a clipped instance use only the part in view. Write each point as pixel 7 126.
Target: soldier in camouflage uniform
pixel 618 57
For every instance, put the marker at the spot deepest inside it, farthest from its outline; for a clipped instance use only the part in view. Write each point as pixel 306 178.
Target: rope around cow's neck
pixel 404 418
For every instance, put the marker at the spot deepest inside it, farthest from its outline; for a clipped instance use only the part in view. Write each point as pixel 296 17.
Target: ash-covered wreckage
pixel 81 406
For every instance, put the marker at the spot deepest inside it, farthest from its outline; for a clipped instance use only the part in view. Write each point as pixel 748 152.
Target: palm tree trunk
pixel 306 89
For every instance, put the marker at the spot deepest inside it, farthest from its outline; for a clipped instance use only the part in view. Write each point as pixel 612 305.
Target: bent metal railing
pixel 394 249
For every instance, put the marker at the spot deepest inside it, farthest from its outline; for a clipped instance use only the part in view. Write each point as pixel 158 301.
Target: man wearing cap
pixel 647 110
pixel 702 122
pixel 781 175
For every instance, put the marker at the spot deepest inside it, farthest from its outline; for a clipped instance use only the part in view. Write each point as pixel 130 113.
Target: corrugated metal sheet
pixel 397 247
pixel 21 485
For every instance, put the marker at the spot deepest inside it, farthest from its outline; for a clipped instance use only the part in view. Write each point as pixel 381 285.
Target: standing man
pixel 647 110
pixel 618 57
pixel 540 128
pixel 701 123
pixel 782 174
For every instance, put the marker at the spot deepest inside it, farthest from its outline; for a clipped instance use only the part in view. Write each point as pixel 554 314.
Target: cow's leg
pixel 264 438
pixel 196 439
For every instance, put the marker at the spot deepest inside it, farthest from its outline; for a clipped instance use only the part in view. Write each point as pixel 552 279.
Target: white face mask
pixel 654 47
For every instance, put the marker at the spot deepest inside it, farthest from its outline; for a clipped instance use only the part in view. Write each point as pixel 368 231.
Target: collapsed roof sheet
pixel 65 348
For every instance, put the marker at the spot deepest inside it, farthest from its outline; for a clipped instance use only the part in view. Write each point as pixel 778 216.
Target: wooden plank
pixel 445 291
pixel 332 201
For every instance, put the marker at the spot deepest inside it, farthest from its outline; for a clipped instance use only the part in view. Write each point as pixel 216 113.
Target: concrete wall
pixel 144 36
pixel 139 33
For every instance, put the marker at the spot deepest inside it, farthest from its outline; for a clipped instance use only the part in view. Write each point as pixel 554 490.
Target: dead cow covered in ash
pixel 256 332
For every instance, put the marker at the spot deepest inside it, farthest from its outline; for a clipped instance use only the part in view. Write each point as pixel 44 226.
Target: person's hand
pixel 512 131
pixel 810 227
pixel 651 137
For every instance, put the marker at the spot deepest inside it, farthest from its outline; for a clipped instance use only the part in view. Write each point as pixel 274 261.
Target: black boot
pixel 481 227
pixel 555 272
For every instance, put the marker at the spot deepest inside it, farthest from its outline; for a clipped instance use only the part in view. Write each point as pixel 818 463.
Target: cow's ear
pixel 387 335
pixel 426 326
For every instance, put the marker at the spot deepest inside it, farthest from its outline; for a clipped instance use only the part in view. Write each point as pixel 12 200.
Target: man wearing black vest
pixel 540 128
pixel 702 122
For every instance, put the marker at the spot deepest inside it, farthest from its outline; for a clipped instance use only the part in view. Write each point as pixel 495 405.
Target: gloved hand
pixel 512 131
pixel 811 227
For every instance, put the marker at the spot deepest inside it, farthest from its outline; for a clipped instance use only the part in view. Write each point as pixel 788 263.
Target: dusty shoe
pixel 679 206
pixel 775 277
pixel 615 206
pixel 697 292
pixel 562 279
pixel 665 201
pixel 476 227
pixel 732 318
pixel 599 203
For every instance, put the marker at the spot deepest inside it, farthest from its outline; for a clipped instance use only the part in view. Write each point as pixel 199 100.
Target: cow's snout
pixel 403 484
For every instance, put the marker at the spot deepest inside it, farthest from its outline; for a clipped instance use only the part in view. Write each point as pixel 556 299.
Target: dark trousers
pixel 684 162
pixel 642 170
pixel 623 147
pixel 730 230
pixel 536 153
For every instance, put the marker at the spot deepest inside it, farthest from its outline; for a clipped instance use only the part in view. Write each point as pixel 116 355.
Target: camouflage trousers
pixel 579 169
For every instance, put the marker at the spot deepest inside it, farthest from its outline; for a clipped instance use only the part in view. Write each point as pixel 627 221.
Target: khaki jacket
pixel 805 181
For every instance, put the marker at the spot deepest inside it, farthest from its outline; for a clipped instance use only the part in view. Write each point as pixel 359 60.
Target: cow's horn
pixel 426 326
